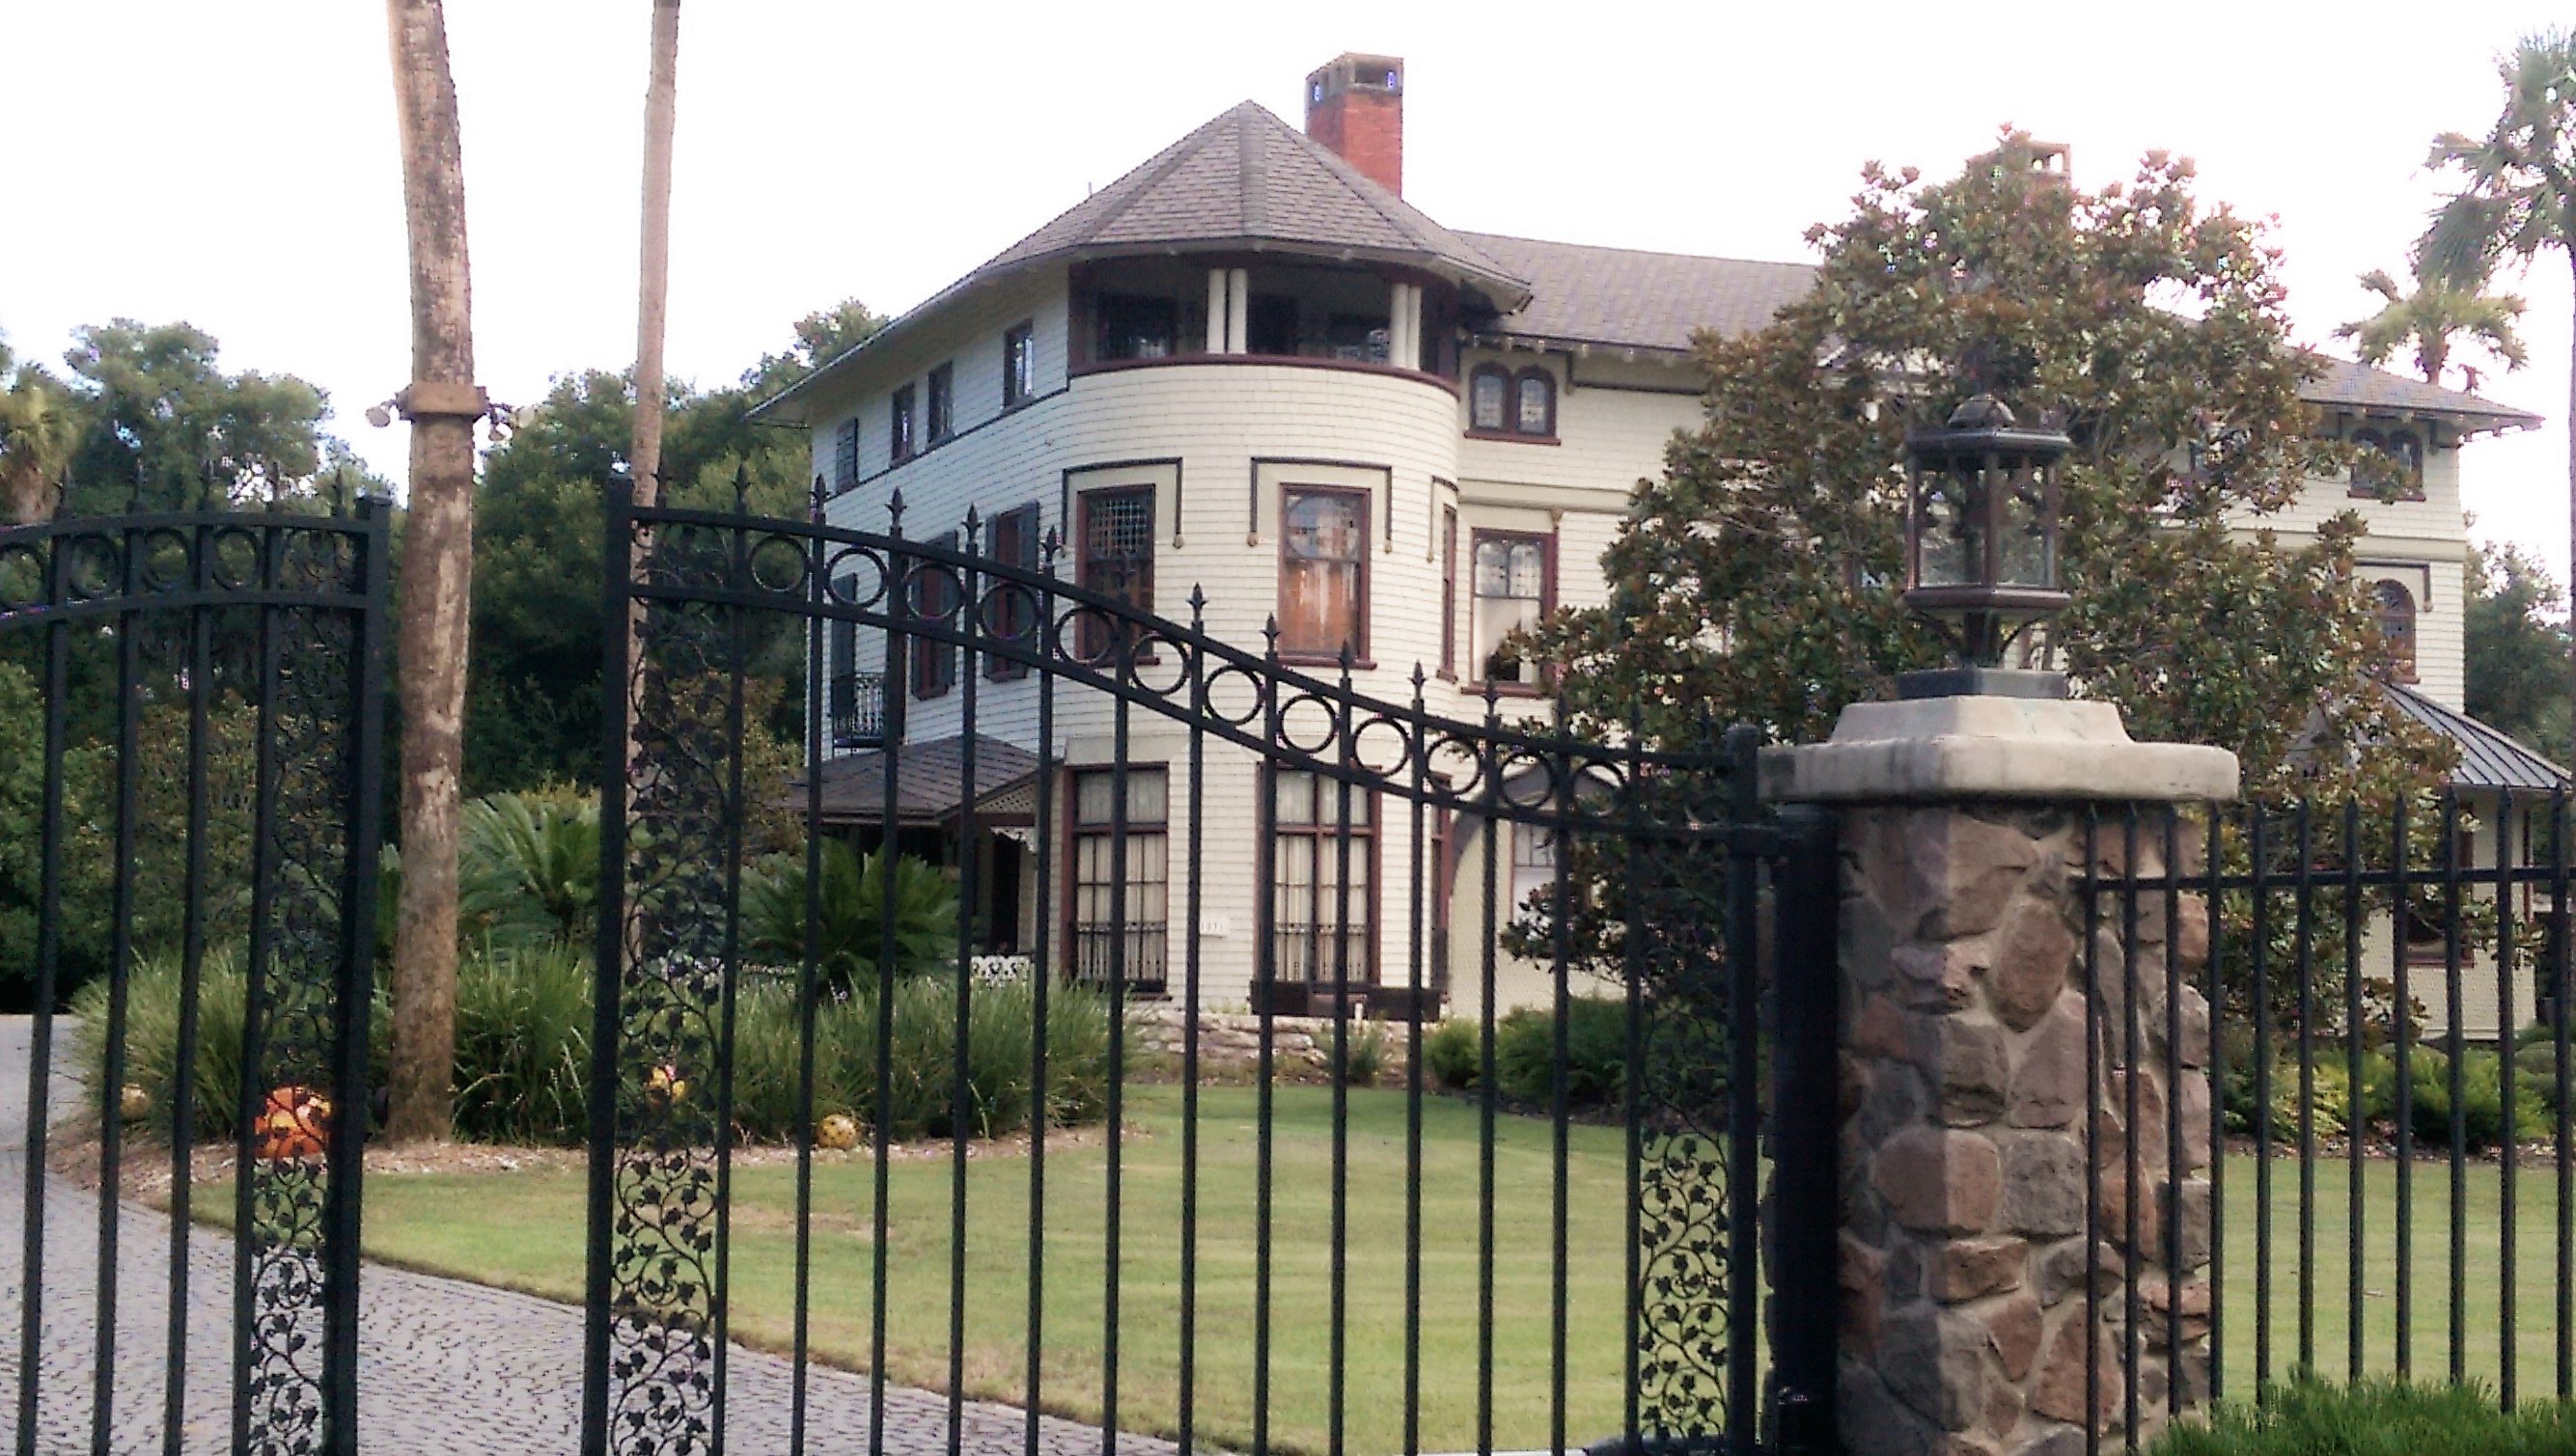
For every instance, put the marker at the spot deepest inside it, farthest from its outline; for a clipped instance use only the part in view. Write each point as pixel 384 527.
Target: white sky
pixel 235 165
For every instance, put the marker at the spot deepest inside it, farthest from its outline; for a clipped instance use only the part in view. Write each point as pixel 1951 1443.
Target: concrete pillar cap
pixel 1933 750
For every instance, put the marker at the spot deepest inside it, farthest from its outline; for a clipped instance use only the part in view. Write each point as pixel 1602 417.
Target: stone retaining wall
pixel 1232 1039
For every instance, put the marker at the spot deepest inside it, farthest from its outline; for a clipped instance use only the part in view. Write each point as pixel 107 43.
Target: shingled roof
pixel 2376 391
pixel 1625 298
pixel 1247 180
pixel 1247 177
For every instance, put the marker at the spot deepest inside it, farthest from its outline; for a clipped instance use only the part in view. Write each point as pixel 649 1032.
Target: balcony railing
pixel 857 703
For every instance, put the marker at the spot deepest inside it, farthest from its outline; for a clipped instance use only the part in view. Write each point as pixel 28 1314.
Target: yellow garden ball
pixel 839 1132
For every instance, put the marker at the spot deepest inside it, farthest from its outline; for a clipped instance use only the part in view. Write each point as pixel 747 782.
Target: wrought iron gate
pixel 206 814
pixel 1116 750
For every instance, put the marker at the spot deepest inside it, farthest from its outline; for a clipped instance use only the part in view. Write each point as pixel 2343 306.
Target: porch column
pixel 1966 1007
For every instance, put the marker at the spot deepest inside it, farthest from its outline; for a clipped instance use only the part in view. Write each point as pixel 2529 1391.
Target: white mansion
pixel 1250 367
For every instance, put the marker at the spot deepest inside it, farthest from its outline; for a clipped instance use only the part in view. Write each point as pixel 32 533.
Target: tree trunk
pixel 437 573
pixel 653 283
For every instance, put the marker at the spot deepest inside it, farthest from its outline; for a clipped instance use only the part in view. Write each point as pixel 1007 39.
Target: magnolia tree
pixel 1758 579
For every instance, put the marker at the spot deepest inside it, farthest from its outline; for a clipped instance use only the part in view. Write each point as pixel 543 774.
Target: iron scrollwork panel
pixel 664 1304
pixel 1686 1200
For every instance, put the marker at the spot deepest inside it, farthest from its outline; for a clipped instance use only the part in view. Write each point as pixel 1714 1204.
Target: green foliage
pixel 153 1003
pixel 853 914
pixel 1596 1054
pixel 2374 1418
pixel 921 1071
pixel 2516 192
pixel 158 416
pixel 533 674
pixel 1453 1054
pixel 523 1029
pixel 2427 319
pixel 528 866
pixel 2429 1072
pixel 523 1038
pixel 1363 1052
pixel 2516 650
pixel 1759 579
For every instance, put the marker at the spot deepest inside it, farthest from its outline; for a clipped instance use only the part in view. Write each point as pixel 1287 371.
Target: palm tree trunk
pixel 653 285
pixel 437 572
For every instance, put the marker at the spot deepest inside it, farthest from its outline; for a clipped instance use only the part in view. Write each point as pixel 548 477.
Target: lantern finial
pixel 1981 544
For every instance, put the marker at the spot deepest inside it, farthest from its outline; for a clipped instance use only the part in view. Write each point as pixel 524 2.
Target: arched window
pixel 2393 613
pixel 1488 398
pixel 1534 403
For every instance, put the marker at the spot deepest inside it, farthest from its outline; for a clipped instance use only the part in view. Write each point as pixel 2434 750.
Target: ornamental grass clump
pixel 523 1050
pixel 2375 1418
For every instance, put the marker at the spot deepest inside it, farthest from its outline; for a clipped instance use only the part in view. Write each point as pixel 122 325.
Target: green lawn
pixel 525 1230
pixel 2481 1327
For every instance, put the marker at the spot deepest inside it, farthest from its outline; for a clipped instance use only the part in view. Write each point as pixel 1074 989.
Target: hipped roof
pixel 929 780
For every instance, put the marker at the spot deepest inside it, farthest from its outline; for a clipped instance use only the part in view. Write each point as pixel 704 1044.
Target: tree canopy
pixel 2515 650
pixel 1758 579
pixel 533 691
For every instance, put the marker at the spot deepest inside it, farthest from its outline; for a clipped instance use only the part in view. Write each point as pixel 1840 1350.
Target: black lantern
pixel 1981 545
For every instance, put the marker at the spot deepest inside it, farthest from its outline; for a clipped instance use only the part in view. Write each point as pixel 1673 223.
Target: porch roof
pixel 2488 758
pixel 929 781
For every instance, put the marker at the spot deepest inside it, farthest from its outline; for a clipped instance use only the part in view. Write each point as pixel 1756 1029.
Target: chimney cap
pixel 1355 71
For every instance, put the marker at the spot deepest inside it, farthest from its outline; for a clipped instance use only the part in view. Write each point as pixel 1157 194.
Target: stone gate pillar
pixel 1964 1075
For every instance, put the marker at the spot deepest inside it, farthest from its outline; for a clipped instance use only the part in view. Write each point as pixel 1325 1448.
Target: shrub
pixel 523 1035
pixel 523 1048
pixel 2375 1418
pixel 152 1040
pixel 1363 1048
pixel 2481 1101
pixel 528 866
pixel 921 1073
pixel 1453 1053
pixel 853 906
pixel 1596 1057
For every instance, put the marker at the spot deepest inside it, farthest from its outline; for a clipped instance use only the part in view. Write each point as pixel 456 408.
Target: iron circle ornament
pixel 169 559
pixel 1982 528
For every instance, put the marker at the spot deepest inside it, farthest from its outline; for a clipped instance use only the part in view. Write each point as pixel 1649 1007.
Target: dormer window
pixel 2391 461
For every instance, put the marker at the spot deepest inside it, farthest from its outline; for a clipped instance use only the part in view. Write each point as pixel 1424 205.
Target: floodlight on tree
pixel 1981 545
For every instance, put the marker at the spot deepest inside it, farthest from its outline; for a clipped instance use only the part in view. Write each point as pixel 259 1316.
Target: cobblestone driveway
pixel 446 1367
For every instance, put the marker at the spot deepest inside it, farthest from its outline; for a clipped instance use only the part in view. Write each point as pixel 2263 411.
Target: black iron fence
pixel 2361 1004
pixel 204 754
pixel 1547 1222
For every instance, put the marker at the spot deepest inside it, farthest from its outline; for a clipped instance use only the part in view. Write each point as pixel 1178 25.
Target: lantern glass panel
pixel 1951 550
pixel 2022 523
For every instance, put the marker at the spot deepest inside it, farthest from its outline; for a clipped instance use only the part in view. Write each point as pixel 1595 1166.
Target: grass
pixel 2479 1328
pixel 525 1230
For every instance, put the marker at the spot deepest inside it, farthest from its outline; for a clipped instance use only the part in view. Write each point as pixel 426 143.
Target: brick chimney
pixel 1355 105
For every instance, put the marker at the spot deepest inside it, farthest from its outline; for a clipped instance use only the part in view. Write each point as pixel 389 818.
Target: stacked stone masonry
pixel 1964 1256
